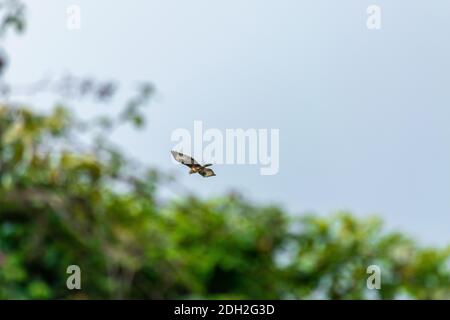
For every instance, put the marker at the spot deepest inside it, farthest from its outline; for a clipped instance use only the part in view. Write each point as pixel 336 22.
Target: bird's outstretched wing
pixel 184 159
pixel 206 173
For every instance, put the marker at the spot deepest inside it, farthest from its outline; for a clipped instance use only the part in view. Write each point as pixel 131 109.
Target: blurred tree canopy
pixel 65 201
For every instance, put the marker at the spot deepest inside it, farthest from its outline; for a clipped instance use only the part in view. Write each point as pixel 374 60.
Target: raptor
pixel 194 166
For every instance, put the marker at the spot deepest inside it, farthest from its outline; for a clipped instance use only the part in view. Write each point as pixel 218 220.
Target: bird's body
pixel 193 165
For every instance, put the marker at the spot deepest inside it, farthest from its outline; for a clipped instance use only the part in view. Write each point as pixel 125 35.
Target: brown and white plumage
pixel 193 165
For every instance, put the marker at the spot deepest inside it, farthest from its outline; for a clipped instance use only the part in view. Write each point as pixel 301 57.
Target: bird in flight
pixel 193 165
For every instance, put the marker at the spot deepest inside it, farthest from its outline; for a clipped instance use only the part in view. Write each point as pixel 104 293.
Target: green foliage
pixel 12 16
pixel 64 203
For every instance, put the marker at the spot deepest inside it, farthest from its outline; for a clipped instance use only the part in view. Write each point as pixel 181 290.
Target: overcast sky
pixel 363 115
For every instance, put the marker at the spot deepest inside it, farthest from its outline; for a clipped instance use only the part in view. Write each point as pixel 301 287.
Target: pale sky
pixel 363 115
